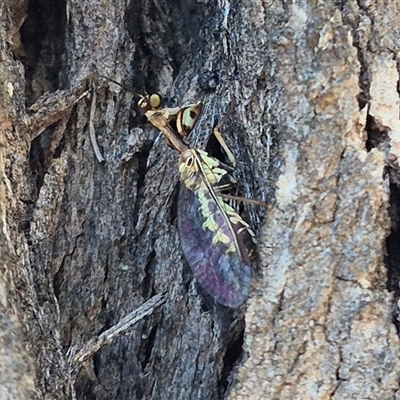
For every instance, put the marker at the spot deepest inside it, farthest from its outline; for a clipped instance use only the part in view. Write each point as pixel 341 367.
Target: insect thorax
pixel 197 168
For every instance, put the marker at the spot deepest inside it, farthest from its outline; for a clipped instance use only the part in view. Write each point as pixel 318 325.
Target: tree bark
pixel 90 238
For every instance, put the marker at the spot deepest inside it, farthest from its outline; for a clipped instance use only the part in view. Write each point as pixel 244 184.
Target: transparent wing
pixel 223 272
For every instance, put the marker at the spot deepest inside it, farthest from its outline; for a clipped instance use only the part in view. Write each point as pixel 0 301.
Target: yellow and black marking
pixel 202 174
pixel 216 241
pixel 166 119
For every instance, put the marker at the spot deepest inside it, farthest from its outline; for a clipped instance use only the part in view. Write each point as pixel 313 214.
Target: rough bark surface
pixel 316 132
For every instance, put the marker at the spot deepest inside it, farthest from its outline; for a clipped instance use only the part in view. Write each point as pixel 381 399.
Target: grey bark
pixel 315 130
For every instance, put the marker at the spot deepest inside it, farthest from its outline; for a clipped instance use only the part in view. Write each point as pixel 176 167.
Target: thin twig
pixel 107 336
pixel 92 132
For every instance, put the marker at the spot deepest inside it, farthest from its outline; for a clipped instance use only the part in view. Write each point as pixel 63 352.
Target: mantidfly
pixel 216 241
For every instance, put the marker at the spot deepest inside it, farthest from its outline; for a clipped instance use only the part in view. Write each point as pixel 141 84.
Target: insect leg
pixel 244 200
pixel 221 141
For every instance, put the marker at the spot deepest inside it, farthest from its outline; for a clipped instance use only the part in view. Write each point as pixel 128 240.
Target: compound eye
pixel 155 100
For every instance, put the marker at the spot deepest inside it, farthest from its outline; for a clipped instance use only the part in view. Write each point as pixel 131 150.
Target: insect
pixel 216 241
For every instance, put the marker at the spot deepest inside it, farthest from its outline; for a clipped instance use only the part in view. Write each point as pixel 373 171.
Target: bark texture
pixel 315 128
